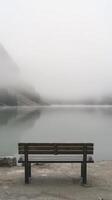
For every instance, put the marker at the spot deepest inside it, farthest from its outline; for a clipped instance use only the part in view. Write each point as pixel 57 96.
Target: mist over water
pixel 62 48
pixel 55 52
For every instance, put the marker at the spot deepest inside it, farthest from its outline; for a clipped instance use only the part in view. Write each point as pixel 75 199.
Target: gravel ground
pixel 57 182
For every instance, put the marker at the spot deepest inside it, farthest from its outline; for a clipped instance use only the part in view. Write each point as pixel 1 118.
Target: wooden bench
pixel 56 153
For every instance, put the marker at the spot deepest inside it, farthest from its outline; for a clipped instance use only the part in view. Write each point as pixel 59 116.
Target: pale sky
pixel 62 47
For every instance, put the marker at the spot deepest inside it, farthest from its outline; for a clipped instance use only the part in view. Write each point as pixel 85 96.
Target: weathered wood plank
pixel 56 158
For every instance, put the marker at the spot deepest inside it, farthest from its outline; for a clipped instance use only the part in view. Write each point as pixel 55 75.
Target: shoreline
pixel 3 108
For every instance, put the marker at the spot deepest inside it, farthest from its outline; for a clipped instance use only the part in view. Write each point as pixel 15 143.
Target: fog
pixel 63 48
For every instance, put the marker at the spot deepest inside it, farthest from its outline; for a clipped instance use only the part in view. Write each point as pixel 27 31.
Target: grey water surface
pixel 66 124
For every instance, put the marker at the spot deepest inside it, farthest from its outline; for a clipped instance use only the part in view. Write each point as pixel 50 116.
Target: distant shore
pixel 81 105
pixel 56 105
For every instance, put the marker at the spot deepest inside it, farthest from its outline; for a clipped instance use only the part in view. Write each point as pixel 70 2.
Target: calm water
pixel 57 125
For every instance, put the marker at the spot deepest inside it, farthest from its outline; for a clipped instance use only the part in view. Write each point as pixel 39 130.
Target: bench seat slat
pixel 64 144
pixel 57 152
pixel 57 158
pixel 57 147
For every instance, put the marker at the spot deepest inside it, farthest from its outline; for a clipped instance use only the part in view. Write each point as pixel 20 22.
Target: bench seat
pixel 56 159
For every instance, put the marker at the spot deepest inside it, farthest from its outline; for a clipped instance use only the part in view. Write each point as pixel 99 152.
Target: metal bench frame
pixel 67 150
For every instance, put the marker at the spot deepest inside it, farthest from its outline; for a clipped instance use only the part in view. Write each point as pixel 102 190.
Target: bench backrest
pixel 55 148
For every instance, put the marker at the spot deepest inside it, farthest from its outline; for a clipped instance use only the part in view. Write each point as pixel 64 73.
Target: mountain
pixel 13 90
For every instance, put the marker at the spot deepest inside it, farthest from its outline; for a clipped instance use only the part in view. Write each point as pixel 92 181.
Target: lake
pixel 57 124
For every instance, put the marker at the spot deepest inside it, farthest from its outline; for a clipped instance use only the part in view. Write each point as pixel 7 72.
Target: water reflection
pixel 26 119
pixel 17 118
pixel 13 124
pixel 6 116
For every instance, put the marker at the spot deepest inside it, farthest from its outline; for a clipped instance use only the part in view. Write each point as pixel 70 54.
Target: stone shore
pixel 57 182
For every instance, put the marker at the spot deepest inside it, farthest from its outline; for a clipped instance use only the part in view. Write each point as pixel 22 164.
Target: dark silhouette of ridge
pixel 13 90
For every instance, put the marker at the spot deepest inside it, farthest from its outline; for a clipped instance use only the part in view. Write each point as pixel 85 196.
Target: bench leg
pixel 84 172
pixel 81 170
pixel 26 173
pixel 29 170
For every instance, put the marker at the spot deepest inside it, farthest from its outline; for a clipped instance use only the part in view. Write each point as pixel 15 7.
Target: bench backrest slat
pixel 55 148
